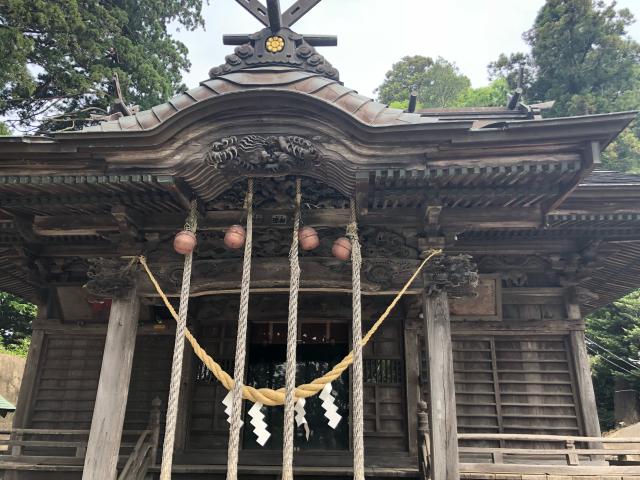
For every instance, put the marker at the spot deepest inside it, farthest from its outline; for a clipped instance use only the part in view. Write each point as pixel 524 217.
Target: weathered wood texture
pixel 584 384
pixel 442 404
pixel 113 389
pixel 385 421
pixel 515 384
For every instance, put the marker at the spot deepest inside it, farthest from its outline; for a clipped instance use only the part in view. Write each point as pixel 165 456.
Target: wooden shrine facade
pixel 452 381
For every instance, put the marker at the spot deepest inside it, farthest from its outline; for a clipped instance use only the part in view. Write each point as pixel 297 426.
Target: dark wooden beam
pixel 24 227
pixel 181 192
pixel 273 11
pixel 74 225
pixel 313 40
pixel 298 10
pixel 450 219
pixel 590 160
pixel 257 9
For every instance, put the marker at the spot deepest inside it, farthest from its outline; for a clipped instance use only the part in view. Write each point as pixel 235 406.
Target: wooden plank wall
pixel 515 385
pixel 67 382
pixel 385 423
pixel 66 386
pixel 517 375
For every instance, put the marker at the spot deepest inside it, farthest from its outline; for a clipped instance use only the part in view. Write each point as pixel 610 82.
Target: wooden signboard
pixel 485 305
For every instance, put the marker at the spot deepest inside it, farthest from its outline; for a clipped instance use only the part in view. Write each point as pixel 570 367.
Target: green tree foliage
pixel 493 95
pixel 4 130
pixel 60 55
pixel 583 58
pixel 438 83
pixel 617 329
pixel 16 316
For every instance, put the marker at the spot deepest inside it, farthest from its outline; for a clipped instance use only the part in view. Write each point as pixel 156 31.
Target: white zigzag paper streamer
pixel 300 416
pixel 259 425
pixel 227 402
pixel 331 410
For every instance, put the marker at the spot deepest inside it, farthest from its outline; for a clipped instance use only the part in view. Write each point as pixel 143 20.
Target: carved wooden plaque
pixel 486 305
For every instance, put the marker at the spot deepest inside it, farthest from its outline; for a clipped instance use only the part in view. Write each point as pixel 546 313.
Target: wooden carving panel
pixel 486 305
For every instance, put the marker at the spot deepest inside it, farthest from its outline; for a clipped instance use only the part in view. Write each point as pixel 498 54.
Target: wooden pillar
pixel 412 381
pixel 113 388
pixel 582 365
pixel 442 400
pixel 584 384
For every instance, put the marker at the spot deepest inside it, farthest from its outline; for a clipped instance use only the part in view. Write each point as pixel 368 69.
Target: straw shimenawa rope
pixel 268 396
pixel 292 343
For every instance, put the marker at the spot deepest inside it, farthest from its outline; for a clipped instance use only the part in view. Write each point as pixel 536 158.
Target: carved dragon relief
pixel 254 154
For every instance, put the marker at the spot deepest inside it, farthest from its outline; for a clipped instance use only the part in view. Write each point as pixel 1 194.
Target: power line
pixel 611 353
pixel 593 351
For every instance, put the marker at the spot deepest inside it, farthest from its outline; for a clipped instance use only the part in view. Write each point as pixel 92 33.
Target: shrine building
pixel 193 263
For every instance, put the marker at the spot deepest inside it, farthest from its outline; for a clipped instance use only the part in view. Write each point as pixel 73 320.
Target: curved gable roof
pixel 364 109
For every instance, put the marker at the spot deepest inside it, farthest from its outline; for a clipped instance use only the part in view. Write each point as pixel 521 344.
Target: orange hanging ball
pixel 308 238
pixel 184 242
pixel 342 249
pixel 234 237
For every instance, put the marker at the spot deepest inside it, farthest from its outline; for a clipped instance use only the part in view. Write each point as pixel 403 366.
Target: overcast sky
pixel 373 34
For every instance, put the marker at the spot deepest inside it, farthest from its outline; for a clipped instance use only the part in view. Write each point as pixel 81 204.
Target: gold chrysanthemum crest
pixel 275 44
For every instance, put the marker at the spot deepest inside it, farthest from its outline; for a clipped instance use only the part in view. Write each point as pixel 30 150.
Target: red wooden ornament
pixel 308 238
pixel 184 242
pixel 342 249
pixel 234 237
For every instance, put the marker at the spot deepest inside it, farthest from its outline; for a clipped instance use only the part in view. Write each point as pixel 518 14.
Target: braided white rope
pixel 358 401
pixel 241 343
pixel 178 354
pixel 292 340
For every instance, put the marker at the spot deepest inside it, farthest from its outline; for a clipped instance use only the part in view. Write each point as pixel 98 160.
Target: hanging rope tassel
pixel 178 354
pixel 241 344
pixel 358 401
pixel 292 341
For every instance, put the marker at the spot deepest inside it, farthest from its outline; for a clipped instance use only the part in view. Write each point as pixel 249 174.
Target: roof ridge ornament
pixel 277 44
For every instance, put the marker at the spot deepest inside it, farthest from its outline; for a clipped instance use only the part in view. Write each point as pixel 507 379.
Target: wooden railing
pixel 568 455
pixel 566 447
pixel 55 447
pixel 145 452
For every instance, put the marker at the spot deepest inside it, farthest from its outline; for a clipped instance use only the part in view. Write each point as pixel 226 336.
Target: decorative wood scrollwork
pixel 261 155
pixel 457 274
pixel 109 277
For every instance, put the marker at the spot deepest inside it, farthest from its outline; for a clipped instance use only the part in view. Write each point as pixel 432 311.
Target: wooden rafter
pixel 257 9
pixel 298 10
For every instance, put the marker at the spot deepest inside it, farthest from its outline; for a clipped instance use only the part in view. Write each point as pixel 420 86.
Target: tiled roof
pixel 610 177
pixel 330 91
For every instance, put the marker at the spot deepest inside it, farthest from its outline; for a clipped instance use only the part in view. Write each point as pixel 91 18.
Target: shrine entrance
pixel 321 344
pixel 324 338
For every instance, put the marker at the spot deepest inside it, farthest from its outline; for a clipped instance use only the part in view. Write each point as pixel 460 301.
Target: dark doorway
pixel 320 346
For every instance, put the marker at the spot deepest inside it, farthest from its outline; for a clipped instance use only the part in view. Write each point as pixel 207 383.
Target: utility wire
pixel 611 353
pixel 593 351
